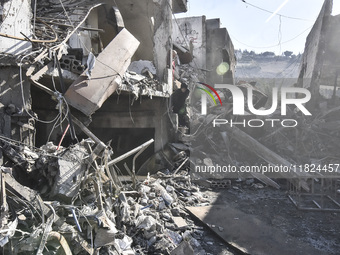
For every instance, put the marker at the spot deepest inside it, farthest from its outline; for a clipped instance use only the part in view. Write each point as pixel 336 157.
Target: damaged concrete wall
pixel 103 27
pixel 190 33
pixel 15 123
pixel 221 59
pixel 210 45
pixel 147 113
pixel 150 22
pixel 331 65
pixel 153 16
pixel 16 22
pixel 105 20
pixel 137 19
pixel 314 53
pixel 147 21
pixel 118 112
pixel 161 38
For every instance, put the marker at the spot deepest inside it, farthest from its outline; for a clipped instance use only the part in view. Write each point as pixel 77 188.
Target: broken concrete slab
pixel 248 233
pixel 88 95
pixel 185 55
pixel 30 195
pixel 180 222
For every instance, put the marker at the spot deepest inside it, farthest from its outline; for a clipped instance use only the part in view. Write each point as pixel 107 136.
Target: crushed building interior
pixel 94 160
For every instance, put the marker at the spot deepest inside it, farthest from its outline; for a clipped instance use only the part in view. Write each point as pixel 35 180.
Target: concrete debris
pixel 88 198
pixel 180 222
pixel 70 204
pixel 138 84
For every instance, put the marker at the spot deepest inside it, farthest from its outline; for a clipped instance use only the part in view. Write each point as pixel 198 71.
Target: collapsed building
pixel 135 32
pixel 78 79
pixel 89 84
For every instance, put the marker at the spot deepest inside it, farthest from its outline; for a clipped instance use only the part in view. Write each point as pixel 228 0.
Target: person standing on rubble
pixel 179 106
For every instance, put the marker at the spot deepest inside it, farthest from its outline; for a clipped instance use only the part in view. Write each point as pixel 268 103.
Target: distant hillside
pixel 267 67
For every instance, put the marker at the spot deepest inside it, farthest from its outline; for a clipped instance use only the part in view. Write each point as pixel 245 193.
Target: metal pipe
pixel 76 220
pixel 129 153
pixel 178 168
pixel 134 164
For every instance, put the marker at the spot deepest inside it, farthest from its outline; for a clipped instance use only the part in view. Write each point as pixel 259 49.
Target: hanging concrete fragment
pixel 88 95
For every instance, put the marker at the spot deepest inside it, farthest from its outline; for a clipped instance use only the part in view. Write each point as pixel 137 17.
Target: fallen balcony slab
pixel 88 95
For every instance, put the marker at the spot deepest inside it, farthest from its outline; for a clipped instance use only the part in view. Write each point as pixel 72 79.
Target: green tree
pixel 288 53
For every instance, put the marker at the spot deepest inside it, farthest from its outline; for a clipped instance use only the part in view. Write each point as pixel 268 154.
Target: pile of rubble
pixel 59 200
pixel 314 141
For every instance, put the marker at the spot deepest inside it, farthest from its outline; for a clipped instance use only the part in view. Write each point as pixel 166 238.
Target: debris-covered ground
pixel 73 205
pixel 305 204
pixel 317 229
pixel 58 200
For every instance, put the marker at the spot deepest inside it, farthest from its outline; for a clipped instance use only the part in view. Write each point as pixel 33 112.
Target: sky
pixel 259 30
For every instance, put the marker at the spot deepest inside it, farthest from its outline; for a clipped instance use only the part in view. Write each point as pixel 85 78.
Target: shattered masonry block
pixel 65 62
pixel 77 67
pixel 71 168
